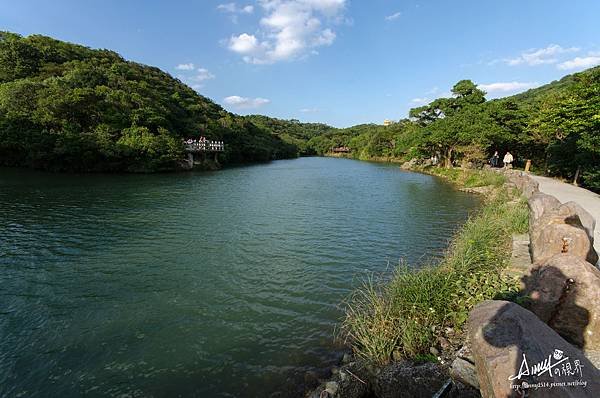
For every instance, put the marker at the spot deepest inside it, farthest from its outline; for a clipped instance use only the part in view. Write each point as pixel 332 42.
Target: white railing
pixel 204 145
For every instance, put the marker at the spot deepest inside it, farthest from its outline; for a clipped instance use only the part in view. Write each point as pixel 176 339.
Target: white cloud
pixel 505 87
pixel 423 100
pixel 244 44
pixel 580 62
pixel 233 8
pixel 541 56
pixel 245 103
pixel 229 7
pixel 309 110
pixel 289 30
pixel 393 16
pixel 189 66
pixel 202 74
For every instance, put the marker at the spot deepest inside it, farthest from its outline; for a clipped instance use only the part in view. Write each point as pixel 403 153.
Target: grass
pixel 405 314
pixel 469 178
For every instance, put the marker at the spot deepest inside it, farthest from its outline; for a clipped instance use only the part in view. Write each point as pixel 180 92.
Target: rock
pixel 538 204
pixel 461 390
pixel 443 343
pixel 506 339
pixel 565 293
pixel 520 258
pixel 406 379
pixel 527 185
pixel 311 378
pixel 331 387
pixel 530 188
pixel 352 382
pixel 465 353
pixel 485 190
pixel 555 239
pixel 556 231
pixel 464 372
pixel 434 351
pixel 411 164
pixel 594 357
pixel 588 222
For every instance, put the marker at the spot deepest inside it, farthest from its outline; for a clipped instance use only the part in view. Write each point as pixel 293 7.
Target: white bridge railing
pixel 204 145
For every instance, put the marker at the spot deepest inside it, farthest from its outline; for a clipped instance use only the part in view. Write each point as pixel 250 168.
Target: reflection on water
pixel 201 284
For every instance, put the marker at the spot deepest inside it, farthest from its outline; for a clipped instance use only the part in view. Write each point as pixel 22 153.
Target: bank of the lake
pixel 223 283
pixel 408 326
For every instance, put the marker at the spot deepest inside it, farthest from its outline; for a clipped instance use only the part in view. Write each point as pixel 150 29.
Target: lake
pixel 200 284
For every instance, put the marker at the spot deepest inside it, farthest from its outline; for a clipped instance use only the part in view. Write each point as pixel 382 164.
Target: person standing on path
pixel 495 159
pixel 508 159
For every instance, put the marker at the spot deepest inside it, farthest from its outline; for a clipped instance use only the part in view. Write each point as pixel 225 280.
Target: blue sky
pixel 342 62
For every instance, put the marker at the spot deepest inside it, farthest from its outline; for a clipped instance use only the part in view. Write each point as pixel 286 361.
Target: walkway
pixel 567 192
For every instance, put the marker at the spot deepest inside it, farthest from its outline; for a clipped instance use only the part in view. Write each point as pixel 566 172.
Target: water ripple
pixel 222 284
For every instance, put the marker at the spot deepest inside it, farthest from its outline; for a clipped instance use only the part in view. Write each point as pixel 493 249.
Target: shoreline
pixel 367 379
pixel 458 364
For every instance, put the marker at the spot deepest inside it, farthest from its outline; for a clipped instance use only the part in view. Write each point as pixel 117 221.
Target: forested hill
pixel 557 126
pixel 68 107
pixel 293 131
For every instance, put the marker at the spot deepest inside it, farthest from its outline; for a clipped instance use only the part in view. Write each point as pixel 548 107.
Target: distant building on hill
pixel 387 122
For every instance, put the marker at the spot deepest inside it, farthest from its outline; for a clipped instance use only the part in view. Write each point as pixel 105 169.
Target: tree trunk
pixel 449 158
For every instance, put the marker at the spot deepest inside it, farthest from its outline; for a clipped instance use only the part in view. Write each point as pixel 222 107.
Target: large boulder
pixel 407 379
pixel 588 223
pixel 464 371
pixel 558 230
pixel 515 351
pixel 523 181
pixel 349 381
pixel 587 220
pixel 555 239
pixel 564 292
pixel 540 203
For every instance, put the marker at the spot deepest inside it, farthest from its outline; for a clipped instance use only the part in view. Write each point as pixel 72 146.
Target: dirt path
pixel 567 192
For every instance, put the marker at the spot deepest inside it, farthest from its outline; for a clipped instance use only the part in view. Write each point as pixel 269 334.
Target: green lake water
pixel 213 284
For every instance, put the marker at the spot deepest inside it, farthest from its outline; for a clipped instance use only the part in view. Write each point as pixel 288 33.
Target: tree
pixel 572 125
pixel 68 107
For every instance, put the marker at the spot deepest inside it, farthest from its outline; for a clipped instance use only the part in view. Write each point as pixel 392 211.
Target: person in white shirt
pixel 508 159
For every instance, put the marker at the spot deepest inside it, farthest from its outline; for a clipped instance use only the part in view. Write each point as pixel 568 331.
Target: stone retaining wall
pixel 549 346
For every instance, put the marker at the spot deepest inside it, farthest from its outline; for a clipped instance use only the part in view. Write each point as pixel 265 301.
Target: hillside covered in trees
pixel 557 126
pixel 68 107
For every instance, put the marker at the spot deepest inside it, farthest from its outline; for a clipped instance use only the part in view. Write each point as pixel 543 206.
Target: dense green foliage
pixel 292 131
pixel 65 106
pixel 68 107
pixel 407 313
pixel 557 126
